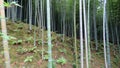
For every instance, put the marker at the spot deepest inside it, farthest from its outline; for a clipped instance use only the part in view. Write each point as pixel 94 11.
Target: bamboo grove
pixel 84 20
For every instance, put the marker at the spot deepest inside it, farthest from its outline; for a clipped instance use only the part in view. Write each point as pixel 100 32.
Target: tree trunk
pixel 49 35
pixel 88 33
pixel 106 38
pixel 75 40
pixel 81 35
pixel 85 32
pixel 95 28
pixel 30 14
pixel 4 31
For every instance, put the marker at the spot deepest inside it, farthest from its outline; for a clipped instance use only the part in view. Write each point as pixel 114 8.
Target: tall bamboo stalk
pixel 75 40
pixel 81 35
pixel 95 28
pixel 88 33
pixel 49 35
pixel 4 31
pixel 30 14
pixel 85 30
pixel 21 12
pixel 104 32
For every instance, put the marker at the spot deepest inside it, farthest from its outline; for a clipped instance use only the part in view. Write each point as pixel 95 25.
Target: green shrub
pixel 28 59
pixel 61 61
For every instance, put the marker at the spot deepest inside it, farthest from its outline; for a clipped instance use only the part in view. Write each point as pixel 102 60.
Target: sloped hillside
pixel 23 53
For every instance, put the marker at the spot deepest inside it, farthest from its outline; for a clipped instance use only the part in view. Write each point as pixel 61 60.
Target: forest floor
pixel 23 53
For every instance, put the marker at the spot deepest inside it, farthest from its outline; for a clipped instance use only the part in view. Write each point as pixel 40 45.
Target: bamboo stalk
pixel 4 31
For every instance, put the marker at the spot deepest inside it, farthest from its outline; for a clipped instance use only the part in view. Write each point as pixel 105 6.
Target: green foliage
pixel 2 17
pixel 16 30
pixel 114 0
pixel 45 57
pixel 53 38
pixel 61 61
pixel 13 3
pixel 17 42
pixel 2 52
pixel 116 59
pixel 74 65
pixel 54 64
pixel 37 51
pixel 99 53
pixel 39 41
pixel 32 49
pixel 21 50
pixel 6 4
pixel 102 66
pixel 20 26
pixel 6 36
pixel 28 59
pixel 29 39
pixel 63 50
